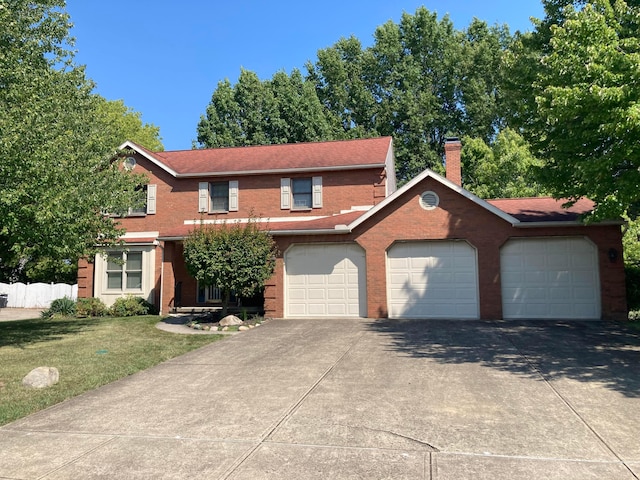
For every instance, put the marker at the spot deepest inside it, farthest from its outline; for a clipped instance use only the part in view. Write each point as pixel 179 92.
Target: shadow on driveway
pixel 586 351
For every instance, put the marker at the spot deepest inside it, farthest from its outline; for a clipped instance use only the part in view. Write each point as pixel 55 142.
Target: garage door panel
pixel 325 280
pixel 550 278
pixel 316 294
pixel 434 280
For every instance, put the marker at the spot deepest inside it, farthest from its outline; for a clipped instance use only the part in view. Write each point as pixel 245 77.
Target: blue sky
pixel 164 58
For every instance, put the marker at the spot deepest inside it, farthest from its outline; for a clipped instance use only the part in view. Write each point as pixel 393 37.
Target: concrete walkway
pixel 357 399
pixel 8 314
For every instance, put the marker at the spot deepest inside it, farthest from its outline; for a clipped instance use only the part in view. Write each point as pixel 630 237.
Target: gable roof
pixel 447 183
pixel 543 209
pixel 291 157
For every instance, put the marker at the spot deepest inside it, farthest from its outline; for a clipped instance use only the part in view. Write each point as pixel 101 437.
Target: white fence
pixel 36 295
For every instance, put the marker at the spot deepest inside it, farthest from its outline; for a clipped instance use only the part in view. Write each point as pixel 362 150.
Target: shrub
pixel 632 275
pixel 63 307
pixel 131 306
pixel 91 307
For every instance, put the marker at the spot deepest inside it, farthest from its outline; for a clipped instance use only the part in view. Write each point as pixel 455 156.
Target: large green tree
pixel 582 114
pixel 233 257
pixel 284 109
pixel 57 172
pixel 420 81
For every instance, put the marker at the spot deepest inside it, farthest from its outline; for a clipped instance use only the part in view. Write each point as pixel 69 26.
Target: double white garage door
pixel 541 278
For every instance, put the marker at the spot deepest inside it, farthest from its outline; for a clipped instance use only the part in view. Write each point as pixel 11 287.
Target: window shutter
pixel 285 193
pixel 203 197
pixel 151 199
pixel 316 192
pixel 233 195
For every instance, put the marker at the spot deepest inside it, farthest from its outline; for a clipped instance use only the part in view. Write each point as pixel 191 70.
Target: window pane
pixel 301 189
pixel 301 185
pixel 134 280
pixel 302 200
pixel 134 261
pixel 114 262
pixel 220 196
pixel 114 280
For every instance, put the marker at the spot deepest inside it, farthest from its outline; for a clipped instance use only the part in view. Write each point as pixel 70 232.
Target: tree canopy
pixel 420 81
pixel 124 123
pixel 57 173
pixel 582 114
pixel 501 169
pixel 284 109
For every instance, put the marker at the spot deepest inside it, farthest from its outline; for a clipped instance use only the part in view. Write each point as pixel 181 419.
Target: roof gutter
pixel 566 223
pixel 340 229
pixel 278 171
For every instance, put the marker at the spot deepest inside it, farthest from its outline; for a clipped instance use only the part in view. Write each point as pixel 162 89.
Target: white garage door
pixel 325 281
pixel 432 280
pixel 550 278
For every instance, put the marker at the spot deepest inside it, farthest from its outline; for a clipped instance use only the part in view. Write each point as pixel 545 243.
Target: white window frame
pixel 287 194
pixel 149 208
pixel 205 200
pixel 123 271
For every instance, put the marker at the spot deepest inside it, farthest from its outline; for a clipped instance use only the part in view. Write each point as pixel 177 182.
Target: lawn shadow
pixel 21 333
pixel 586 351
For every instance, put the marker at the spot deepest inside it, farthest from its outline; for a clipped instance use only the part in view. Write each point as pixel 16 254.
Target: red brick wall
pixel 456 218
pixel 258 195
pixel 85 278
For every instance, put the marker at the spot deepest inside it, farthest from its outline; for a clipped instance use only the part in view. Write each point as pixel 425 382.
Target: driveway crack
pixel 534 367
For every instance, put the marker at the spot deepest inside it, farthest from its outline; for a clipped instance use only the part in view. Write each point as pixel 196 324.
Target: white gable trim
pixel 151 158
pixel 447 183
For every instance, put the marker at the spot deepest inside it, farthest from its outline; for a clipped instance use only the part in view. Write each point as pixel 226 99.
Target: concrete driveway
pixel 357 399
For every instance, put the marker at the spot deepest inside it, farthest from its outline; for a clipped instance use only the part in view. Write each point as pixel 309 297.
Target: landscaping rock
pixel 41 377
pixel 230 320
pixel 243 328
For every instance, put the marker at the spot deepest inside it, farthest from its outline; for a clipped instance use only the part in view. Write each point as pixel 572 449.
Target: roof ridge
pixel 273 145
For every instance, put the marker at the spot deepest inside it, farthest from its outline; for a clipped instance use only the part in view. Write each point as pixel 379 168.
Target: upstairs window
pixel 218 197
pixel 303 193
pixel 149 207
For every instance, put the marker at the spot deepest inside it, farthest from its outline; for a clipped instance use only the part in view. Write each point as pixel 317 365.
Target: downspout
pixel 161 245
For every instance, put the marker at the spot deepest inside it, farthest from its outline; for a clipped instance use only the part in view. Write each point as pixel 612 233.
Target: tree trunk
pixel 226 296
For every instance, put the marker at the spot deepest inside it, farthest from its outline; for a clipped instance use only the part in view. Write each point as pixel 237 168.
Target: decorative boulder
pixel 230 320
pixel 41 377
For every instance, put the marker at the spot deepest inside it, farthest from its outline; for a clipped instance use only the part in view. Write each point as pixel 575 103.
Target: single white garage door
pixel 550 278
pixel 432 280
pixel 325 281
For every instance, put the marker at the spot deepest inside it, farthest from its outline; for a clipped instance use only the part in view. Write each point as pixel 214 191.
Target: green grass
pixel 88 352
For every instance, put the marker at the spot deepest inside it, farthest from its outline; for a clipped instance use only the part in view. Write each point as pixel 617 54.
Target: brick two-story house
pixel 351 244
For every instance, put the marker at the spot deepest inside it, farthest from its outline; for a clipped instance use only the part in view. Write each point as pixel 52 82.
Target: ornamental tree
pixel 238 257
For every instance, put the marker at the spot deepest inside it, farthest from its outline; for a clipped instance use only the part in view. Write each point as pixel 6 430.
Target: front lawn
pixel 88 352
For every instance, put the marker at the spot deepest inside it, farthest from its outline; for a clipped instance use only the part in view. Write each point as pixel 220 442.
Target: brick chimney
pixel 452 147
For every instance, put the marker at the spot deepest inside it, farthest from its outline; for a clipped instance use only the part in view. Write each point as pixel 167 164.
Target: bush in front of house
pixel 131 306
pixel 62 307
pixel 91 307
pixel 632 276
